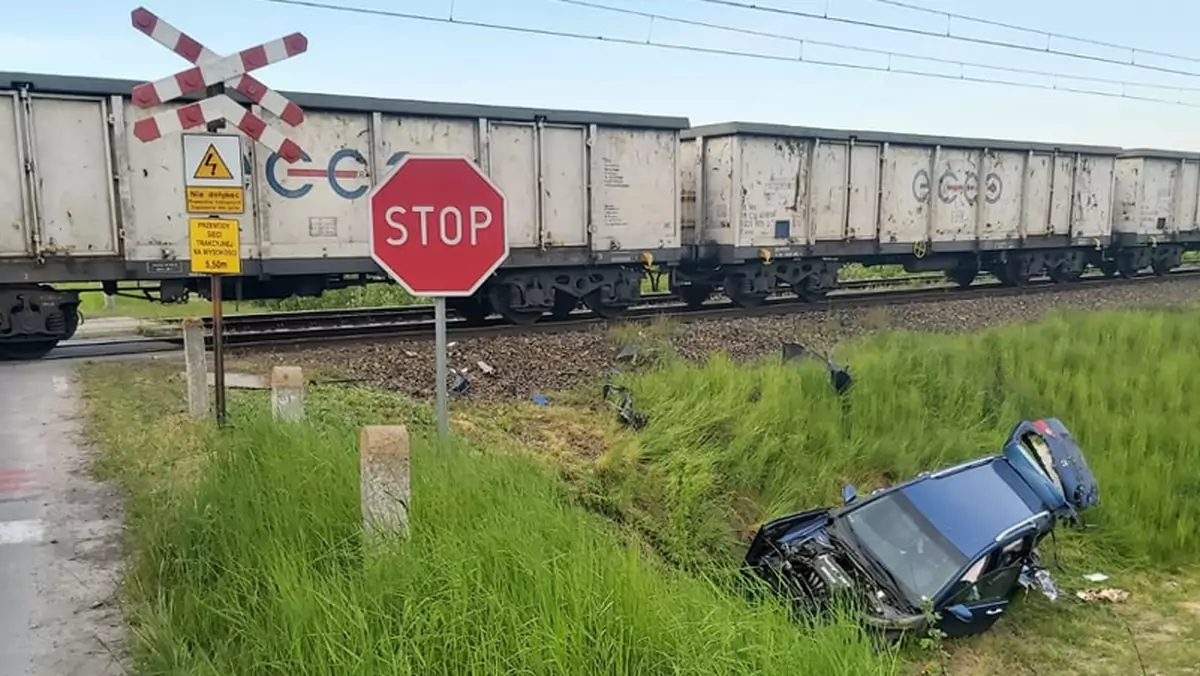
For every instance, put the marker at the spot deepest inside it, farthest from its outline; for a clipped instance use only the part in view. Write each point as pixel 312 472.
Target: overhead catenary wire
pixel 1035 31
pixel 890 53
pixel 947 35
pixel 715 51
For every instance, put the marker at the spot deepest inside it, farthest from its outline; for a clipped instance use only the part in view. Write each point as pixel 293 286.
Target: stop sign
pixel 438 225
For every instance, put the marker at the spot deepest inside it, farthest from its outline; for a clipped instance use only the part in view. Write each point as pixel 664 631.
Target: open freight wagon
pixel 592 198
pixel 771 205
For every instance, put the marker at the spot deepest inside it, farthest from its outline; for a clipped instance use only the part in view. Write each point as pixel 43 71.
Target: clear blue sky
pixel 355 54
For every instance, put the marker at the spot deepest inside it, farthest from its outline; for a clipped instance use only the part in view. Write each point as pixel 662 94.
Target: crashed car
pixel 958 542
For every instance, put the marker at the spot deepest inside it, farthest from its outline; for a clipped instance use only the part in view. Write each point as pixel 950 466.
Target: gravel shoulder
pixel 60 570
pixel 526 364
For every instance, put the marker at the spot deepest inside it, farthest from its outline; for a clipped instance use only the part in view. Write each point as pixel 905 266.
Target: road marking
pixel 20 532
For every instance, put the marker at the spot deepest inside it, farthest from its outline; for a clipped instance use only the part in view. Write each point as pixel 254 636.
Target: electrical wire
pixel 825 16
pixel 1035 31
pixel 869 50
pixel 529 30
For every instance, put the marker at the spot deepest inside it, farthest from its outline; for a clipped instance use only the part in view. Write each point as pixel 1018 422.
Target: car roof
pixel 974 505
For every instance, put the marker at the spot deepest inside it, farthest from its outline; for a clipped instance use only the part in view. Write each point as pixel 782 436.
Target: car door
pixel 976 604
pixel 976 607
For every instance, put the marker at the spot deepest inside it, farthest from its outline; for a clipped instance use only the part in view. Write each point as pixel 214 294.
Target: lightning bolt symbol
pixel 211 163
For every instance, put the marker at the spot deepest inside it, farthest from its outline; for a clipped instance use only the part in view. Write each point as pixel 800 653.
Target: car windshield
pixel 903 541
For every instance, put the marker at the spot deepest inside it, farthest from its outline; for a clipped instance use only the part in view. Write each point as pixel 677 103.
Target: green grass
pixel 371 295
pixel 246 555
pixel 729 446
pixel 247 559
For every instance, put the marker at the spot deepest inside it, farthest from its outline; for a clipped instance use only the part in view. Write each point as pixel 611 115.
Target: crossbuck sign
pixel 210 69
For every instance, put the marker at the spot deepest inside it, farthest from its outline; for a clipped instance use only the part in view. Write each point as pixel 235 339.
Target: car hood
pixel 796 553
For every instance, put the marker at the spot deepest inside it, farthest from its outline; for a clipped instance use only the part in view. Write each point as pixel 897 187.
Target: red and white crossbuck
pixel 210 69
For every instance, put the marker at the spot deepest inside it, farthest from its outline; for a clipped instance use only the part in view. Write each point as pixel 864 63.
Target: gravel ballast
pixel 544 362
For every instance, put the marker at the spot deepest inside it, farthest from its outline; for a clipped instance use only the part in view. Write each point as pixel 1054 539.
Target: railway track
pixel 314 326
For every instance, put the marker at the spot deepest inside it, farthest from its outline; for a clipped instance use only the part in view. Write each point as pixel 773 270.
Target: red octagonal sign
pixel 439 225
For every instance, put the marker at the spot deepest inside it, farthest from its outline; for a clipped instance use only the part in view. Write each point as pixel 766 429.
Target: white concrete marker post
pixel 287 393
pixel 385 487
pixel 197 369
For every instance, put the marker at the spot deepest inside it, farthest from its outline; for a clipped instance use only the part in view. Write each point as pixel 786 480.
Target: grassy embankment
pixel 734 446
pixel 247 559
pixel 247 562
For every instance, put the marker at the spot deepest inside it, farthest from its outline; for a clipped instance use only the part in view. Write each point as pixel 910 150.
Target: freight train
pixel 597 201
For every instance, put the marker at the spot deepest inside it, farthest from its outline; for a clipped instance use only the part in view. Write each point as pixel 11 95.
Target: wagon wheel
pixel 564 304
pixel 694 295
pixel 27 350
pixel 474 310
pixel 962 276
pixel 1126 267
pixel 592 300
pixel 501 300
pixel 1161 266
pixel 740 297
pixel 1015 272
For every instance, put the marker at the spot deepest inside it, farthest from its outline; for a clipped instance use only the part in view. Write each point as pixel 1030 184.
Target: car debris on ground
pixel 952 545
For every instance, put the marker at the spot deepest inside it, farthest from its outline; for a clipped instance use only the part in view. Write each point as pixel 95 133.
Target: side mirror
pixel 961 612
pixel 848 493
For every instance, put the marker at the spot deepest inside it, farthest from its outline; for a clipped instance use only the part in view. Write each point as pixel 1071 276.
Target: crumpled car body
pixel 954 544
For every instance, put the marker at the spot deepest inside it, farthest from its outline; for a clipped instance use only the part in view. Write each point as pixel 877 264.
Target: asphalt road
pixel 59 533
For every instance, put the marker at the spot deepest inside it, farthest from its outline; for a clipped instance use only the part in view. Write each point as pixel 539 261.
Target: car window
pixel 904 542
pixel 990 587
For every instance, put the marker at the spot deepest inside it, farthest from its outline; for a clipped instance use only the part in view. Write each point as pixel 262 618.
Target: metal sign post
pixel 443 406
pixel 439 228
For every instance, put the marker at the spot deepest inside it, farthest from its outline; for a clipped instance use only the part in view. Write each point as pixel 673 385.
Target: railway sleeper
pixel 33 319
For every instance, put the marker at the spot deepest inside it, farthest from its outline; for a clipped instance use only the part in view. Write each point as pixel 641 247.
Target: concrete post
pixel 287 393
pixel 197 369
pixel 384 478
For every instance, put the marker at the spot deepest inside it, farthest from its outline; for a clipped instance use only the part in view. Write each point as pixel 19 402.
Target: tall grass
pixel 254 565
pixel 729 446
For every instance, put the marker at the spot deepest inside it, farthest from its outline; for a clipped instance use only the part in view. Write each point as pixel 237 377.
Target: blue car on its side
pixel 958 540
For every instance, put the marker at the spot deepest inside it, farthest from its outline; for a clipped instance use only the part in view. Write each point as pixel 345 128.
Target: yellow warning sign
pixel 212 166
pixel 215 245
pixel 216 200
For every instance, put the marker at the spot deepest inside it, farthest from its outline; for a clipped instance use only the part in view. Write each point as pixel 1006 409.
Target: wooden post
pixel 384 478
pixel 197 369
pixel 287 393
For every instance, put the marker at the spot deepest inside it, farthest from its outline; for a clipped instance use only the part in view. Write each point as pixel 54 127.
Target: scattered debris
pixel 1095 577
pixel 628 352
pixel 540 400
pixel 410 353
pixel 487 368
pixel 458 381
pixel 1033 576
pixel 1110 594
pixel 626 412
pixel 839 376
